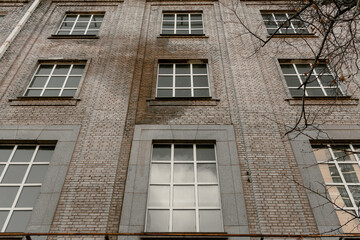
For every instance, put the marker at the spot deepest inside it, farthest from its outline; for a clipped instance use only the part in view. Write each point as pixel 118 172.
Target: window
pixel 183 80
pixel 274 21
pixel 322 83
pixel 81 24
pixel 339 165
pixel 22 170
pixel 182 23
pixel 52 80
pixel 1 17
pixel 184 191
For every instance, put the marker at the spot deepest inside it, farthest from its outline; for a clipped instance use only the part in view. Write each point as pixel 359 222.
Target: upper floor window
pixel 184 193
pixel 22 171
pixel 339 165
pixel 53 80
pixel 183 80
pixel 321 83
pixel 281 22
pixel 81 24
pixel 182 23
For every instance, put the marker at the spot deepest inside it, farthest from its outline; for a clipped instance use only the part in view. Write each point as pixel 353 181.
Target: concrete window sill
pixel 73 37
pixel 44 101
pixel 182 102
pixel 341 100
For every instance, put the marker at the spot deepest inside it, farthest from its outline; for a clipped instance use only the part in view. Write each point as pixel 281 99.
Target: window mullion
pixel 189 23
pixel 8 163
pixel 197 213
pixel 73 27
pixel 192 80
pixel 173 88
pixel 66 79
pixel 171 188
pixel 299 77
pixel 319 81
pixel 48 80
pixel 87 27
pixel 175 23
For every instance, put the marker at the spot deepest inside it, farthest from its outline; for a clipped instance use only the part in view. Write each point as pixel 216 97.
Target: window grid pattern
pixel 22 170
pixel 340 167
pixel 183 80
pixel 182 23
pixel 52 80
pixel 274 21
pixel 184 191
pixel 81 24
pixel 321 82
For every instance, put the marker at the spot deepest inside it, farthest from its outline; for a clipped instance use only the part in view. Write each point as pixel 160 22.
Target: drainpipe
pixel 18 28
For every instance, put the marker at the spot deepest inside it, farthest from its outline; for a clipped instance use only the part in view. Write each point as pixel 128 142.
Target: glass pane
pixel 64 32
pixel 165 81
pixel 159 196
pixel 209 196
pixel 296 92
pixel 161 152
pixel 196 24
pixel 37 174
pixel 184 196
pixel 182 93
pixel 312 82
pixel 72 82
pixel 80 25
pixel 197 31
pixel 355 191
pixel 182 17
pixel 160 173
pixel 38 82
pixel 210 221
pixel 167 32
pixel 327 81
pixel 292 81
pixel 322 69
pixel 98 17
pixel 165 68
pixel 18 221
pixel 70 17
pixel 33 93
pixel 182 69
pixel 94 25
pixel 78 32
pixel 205 152
pixel 303 68
pixel 183 173
pixel 267 16
pixel 84 18
pixel 1 168
pixel 334 173
pixel 199 69
pixel 280 16
pixel 67 25
pixel 322 153
pixel 271 24
pixel 333 92
pixel 169 16
pixel 5 152
pixel 182 81
pixel 44 154
pixel 342 153
pixel 164 93
pixel 23 154
pixel 206 173
pixel 184 221
pixel 68 93
pixel 157 221
pixel 201 93
pixel 339 195
pixel 168 25
pixel 45 70
pixel 3 216
pixel 178 31
pixel 77 70
pixel 7 196
pixel 314 92
pixel 15 174
pixel 349 172
pixel 51 93
pixel 92 32
pixel 196 17
pixel 201 81
pixel 183 152
pixel 56 81
pixel 61 70
pixel 28 197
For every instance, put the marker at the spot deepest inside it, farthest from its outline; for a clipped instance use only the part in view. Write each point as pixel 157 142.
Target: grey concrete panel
pixel 54 178
pixel 236 175
pixel 138 209
pixel 240 204
pixel 126 210
pixel 130 179
pixel 230 213
pixel 62 153
pixel 223 153
pixel 142 178
pixel 226 179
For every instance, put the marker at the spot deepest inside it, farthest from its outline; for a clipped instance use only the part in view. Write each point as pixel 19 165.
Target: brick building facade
pixel 103 96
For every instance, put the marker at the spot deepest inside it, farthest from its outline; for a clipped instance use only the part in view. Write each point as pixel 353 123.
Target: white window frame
pixel 344 184
pixel 279 24
pixel 318 79
pixel 77 20
pixel 197 208
pixel 62 88
pixel 189 21
pixel 20 185
pixel 173 75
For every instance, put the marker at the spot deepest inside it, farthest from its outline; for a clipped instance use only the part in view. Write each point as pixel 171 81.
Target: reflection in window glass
pixel 22 172
pixel 184 189
pixel 339 165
